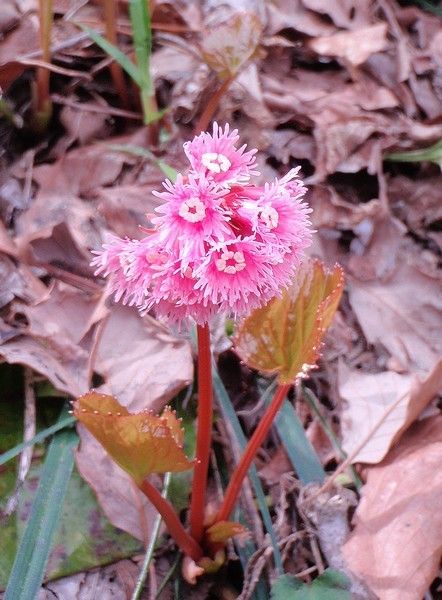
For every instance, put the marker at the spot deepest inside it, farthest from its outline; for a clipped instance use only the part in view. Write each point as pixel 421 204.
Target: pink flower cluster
pixel 220 244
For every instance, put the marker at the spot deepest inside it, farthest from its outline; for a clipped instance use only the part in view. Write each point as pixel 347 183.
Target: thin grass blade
pixel 29 566
pixel 39 437
pixel 229 413
pixel 119 56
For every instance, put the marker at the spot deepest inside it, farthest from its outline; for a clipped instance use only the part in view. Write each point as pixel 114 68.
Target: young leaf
pixel 228 46
pixel 331 585
pixel 285 335
pixel 222 531
pixel 139 443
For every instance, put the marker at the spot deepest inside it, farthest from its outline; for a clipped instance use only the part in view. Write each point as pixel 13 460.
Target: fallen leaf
pixel 402 313
pixel 142 363
pixel 367 398
pixel 65 376
pixel 396 543
pixel 123 503
pixel 354 46
pixel 140 443
pixel 349 14
pixel 285 335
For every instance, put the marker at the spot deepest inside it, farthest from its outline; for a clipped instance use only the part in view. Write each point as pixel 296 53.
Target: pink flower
pixel 192 214
pixel 216 157
pixel 219 244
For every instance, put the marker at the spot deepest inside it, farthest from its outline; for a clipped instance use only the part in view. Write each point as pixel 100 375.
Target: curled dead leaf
pixel 396 544
pixel 285 336
pixel 354 46
pixel 140 443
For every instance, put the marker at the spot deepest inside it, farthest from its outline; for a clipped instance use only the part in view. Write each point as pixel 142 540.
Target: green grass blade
pixel 119 56
pixel 313 403
pixel 141 581
pixel 145 153
pixel 33 552
pixel 299 449
pixel 432 153
pixel 39 437
pixel 142 38
pixel 230 414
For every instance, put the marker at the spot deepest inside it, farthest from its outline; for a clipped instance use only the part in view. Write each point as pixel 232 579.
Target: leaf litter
pixel 331 86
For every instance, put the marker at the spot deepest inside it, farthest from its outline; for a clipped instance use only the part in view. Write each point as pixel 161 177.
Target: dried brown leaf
pixel 369 396
pixel 355 46
pixel 402 313
pixel 396 544
pixel 142 363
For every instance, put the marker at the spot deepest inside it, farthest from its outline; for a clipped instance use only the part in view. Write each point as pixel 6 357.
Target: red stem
pixel 187 544
pixel 211 106
pixel 204 433
pixel 252 447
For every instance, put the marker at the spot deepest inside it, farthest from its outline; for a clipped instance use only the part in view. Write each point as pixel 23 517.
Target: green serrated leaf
pixel 331 585
pixel 33 552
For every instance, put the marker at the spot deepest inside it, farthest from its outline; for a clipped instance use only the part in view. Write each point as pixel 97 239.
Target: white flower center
pixel 192 210
pixel 215 162
pixel 231 262
pixel 270 217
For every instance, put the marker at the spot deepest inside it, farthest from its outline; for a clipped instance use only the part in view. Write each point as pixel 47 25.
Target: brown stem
pixel 110 17
pixel 42 100
pixel 252 447
pixel 187 544
pixel 204 433
pixel 211 106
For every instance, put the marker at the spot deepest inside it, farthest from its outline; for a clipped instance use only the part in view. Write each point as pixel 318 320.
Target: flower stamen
pixel 231 262
pixel 216 162
pixel 270 217
pixel 192 210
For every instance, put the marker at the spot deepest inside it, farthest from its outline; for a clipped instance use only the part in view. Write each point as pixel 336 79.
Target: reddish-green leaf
pixel 285 336
pixel 140 443
pixel 229 45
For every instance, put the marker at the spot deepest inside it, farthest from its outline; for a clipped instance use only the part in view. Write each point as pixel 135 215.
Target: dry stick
pixel 211 107
pixel 252 447
pixel 43 101
pixel 347 462
pixel 187 544
pixel 110 18
pixel 204 433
